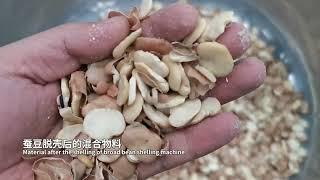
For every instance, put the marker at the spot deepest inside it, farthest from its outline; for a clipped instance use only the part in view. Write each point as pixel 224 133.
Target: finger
pixel 236 38
pixel 196 141
pixel 248 74
pixel 55 53
pixel 22 170
pixel 31 114
pixel 172 23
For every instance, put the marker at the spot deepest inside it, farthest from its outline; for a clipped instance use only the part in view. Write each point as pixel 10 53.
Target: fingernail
pixel 236 128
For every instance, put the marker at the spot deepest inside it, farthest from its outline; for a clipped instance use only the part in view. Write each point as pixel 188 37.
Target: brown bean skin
pixel 153 44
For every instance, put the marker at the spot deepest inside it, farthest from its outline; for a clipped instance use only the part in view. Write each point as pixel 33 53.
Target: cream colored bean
pixel 151 61
pixel 206 73
pixel 216 26
pixel 185 83
pixel 122 47
pixel 209 107
pixel 159 82
pixel 132 90
pixel 103 124
pixel 174 78
pixel 131 112
pixel 156 116
pixel 181 115
pixel 65 91
pixel 216 58
pixel 123 90
pixel 145 8
pixel 196 34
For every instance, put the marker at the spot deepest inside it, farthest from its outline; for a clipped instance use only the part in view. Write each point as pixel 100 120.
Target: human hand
pixel 32 69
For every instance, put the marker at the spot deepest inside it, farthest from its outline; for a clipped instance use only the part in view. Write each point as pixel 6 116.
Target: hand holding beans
pixel 56 53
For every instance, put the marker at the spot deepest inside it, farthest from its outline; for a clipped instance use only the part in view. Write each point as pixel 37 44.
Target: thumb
pixel 55 53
